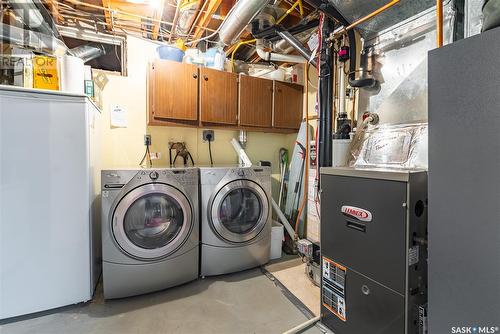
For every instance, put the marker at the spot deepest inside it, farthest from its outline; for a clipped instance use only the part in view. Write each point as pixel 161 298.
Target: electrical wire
pixel 146 158
pixel 210 153
pixel 191 157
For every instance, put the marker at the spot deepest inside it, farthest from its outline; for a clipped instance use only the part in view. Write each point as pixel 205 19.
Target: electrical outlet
pixel 155 155
pixel 147 140
pixel 208 135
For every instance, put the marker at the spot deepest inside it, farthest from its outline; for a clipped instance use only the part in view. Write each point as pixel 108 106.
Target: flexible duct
pixel 240 16
pixel 87 52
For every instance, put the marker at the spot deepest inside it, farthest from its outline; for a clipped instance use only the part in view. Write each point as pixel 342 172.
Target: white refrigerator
pixel 49 208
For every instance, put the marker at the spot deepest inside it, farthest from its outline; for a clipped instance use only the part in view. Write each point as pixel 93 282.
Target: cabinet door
pixel 288 106
pixel 256 102
pixel 173 91
pixel 218 97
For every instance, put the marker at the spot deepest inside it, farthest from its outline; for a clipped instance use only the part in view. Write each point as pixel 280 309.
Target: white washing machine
pixel 150 230
pixel 235 218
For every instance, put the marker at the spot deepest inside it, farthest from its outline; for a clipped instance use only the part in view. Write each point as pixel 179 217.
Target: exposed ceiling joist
pixel 107 15
pixel 205 18
pixel 158 14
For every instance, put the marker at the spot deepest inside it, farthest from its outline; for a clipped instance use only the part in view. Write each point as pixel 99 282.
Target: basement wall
pixel 124 147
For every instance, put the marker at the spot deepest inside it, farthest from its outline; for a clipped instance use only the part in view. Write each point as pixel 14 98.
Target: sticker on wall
pixel 333 288
pixel 118 117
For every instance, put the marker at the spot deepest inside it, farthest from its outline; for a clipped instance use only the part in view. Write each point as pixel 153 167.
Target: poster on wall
pixel 118 117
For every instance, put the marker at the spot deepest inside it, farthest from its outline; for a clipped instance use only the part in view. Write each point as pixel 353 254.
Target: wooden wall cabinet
pixel 288 105
pixel 256 102
pixel 173 91
pixel 218 97
pixel 185 95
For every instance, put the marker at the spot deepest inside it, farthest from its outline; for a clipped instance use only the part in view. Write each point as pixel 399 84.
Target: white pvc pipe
pixel 241 153
pixel 270 56
pixel 303 325
pixel 342 90
pixel 289 229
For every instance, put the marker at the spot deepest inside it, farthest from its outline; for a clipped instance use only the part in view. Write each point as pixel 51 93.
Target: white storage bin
pixel 340 152
pixel 277 235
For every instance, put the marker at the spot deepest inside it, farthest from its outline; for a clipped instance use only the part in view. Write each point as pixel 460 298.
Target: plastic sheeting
pixel 403 146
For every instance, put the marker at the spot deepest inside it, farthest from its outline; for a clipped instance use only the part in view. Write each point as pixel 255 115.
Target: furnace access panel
pixel 374 253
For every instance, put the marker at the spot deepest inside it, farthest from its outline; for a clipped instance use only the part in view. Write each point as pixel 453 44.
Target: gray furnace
pixel 374 251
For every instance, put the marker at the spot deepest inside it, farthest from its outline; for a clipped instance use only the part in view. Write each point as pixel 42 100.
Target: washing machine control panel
pixel 184 177
pixel 241 173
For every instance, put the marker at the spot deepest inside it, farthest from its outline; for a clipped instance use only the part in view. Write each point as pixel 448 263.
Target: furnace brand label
pixel 333 288
pixel 358 213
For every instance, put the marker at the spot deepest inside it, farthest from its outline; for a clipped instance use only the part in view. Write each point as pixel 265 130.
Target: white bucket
pixel 277 236
pixel 72 75
pixel 340 152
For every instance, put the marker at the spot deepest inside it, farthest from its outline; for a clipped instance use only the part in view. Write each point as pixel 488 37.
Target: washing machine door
pixel 152 221
pixel 239 211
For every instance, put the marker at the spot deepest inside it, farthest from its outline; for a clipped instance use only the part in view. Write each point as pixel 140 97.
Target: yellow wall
pixel 123 147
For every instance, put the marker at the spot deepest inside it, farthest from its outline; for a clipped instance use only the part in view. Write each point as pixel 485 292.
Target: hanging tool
pixel 298 185
pixel 283 157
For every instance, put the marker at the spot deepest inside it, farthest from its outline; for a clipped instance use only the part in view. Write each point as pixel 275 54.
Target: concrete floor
pixel 290 271
pixel 246 302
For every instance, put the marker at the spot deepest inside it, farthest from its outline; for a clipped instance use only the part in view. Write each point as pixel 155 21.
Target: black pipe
pixel 327 8
pixel 325 91
pixel 353 82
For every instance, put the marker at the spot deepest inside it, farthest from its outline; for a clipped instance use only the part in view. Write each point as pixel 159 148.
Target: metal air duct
pixel 282 46
pixel 87 52
pixel 240 16
pixel 297 45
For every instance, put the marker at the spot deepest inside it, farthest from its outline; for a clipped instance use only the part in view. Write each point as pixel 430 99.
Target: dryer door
pixel 239 211
pixel 152 221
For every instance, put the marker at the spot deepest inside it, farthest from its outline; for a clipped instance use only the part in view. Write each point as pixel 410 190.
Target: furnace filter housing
pixel 374 252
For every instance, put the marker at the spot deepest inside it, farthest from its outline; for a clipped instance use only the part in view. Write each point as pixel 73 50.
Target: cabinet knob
pixel 205 77
pixel 195 75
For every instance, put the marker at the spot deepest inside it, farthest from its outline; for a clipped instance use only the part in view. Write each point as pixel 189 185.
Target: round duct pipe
pixel 87 52
pixel 240 16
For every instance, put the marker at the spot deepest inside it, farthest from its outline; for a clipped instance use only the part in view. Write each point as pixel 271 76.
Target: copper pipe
pixel 439 23
pixel 372 14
